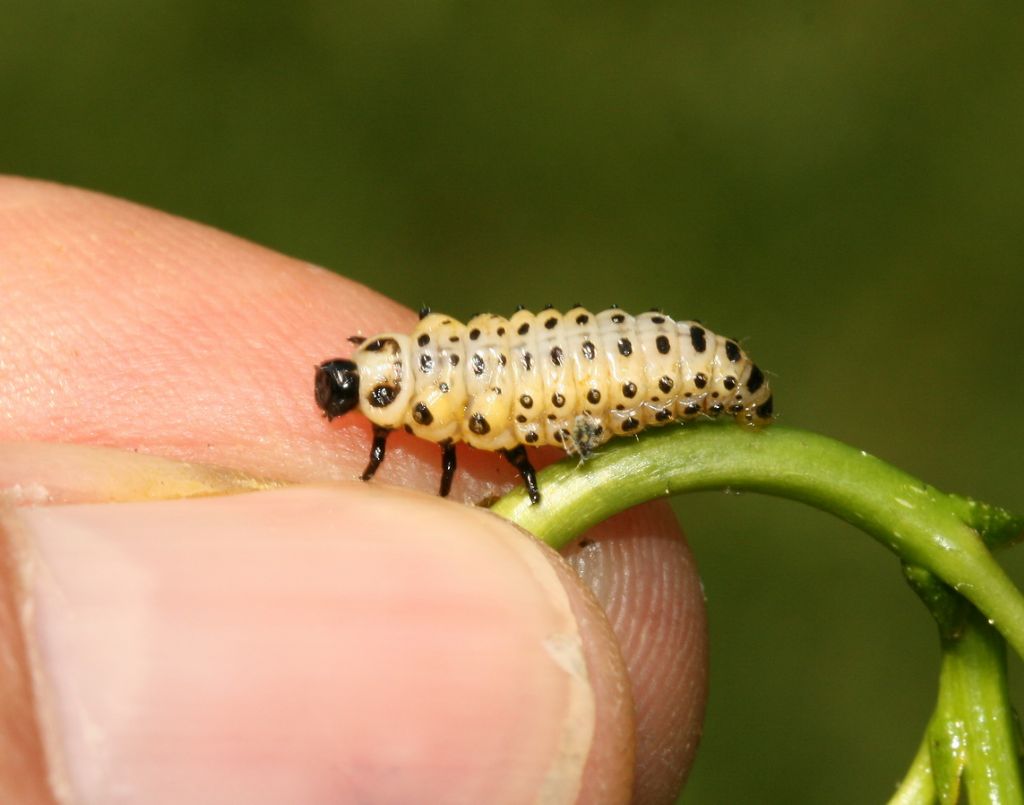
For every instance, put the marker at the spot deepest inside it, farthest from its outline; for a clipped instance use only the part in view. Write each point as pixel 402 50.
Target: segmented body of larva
pixel 573 379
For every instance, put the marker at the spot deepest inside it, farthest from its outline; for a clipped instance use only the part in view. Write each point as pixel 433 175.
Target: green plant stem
pixel 918 787
pixel 971 742
pixel 923 526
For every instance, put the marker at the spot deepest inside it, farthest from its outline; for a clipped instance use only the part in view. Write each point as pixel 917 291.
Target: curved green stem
pixel 922 525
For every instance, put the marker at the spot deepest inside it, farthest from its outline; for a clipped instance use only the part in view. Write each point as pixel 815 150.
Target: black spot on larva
pixel 756 379
pixel 557 400
pixel 421 414
pixel 552 417
pixel 735 408
pixel 550 323
pixel 625 347
pixel 479 425
pixel 478 363
pixel 732 350
pixel 527 361
pixel 663 415
pixel 729 383
pixel 692 408
pixel 593 396
pixel 700 380
pixel 558 436
pixel 531 437
pixel 497 390
pixel 582 319
pixel 424 312
pixel 714 393
pixel 697 338
pixel 375 346
pixel 524 328
pixel 618 318
pixel 663 344
pixel 764 410
pixel 716 409
pixel 454 339
pixel 474 334
pixel 383 395
pixel 520 418
pixel 666 383
pixel 423 340
pixel 630 424
pixel 444 388
pixel 620 407
pixel 526 401
pixel 407 429
pixel 556 356
pixel 629 390
pixel 586 543
pixel 658 319
pixel 655 398
pixel 588 350
pixel 453 359
pixel 500 331
pixel 426 362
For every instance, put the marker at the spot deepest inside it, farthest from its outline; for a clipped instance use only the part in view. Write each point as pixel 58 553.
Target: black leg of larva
pixel 380 437
pixel 447 466
pixel 517 458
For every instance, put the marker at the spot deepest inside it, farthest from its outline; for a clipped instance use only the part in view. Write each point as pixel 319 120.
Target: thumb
pixel 310 645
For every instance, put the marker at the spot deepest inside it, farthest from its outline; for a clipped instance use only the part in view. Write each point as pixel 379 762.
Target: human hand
pixel 313 642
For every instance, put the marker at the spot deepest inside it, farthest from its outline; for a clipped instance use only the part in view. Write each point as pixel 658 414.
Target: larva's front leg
pixel 517 458
pixel 447 466
pixel 380 438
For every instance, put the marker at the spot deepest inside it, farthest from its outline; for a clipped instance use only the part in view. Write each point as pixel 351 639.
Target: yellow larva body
pixel 573 379
pixel 496 383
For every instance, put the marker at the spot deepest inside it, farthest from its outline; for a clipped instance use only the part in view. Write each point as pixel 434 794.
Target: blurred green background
pixel 839 185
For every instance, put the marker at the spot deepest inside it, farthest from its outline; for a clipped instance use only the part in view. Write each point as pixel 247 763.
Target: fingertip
pixel 132 328
pixel 642 572
pixel 353 638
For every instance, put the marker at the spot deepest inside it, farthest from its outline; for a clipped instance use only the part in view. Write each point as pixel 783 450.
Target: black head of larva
pixel 337 387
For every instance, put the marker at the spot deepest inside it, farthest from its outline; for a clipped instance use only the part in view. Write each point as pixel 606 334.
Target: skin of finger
pixel 127 327
pixel 637 564
pixel 22 763
pixel 645 578
pixel 136 329
pixel 373 640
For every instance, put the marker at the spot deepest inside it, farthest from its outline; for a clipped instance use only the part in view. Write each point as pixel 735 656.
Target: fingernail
pixel 40 472
pixel 301 645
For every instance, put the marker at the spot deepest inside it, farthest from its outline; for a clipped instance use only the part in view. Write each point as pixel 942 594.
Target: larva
pixel 571 379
